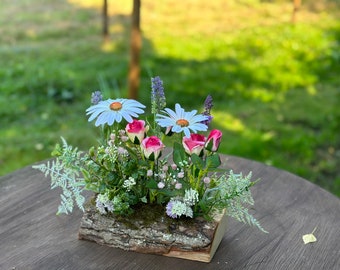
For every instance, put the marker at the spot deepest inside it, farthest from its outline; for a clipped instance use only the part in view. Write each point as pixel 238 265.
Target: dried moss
pixel 144 215
pixel 148 214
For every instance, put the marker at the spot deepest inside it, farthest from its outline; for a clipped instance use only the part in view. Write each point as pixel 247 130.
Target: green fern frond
pixel 64 172
pixel 232 191
pixel 238 211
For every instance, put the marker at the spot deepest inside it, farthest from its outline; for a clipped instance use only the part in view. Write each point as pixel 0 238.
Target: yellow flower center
pixel 182 122
pixel 116 106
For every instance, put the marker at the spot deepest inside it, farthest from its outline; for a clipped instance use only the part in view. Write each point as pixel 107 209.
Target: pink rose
pixel 214 140
pixel 136 131
pixel 152 147
pixel 194 144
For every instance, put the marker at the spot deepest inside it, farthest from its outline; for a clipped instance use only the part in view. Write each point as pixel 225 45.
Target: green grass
pixel 276 86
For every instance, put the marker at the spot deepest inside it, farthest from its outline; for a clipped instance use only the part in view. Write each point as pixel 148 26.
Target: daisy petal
pixel 126 116
pixel 181 121
pixel 108 114
pixel 186 132
pixel 176 129
pixel 102 119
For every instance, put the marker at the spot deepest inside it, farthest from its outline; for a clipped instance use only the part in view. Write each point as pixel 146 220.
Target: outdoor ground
pixel 276 85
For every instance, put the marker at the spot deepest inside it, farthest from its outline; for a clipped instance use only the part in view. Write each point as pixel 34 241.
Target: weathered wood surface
pixel 192 239
pixel 33 237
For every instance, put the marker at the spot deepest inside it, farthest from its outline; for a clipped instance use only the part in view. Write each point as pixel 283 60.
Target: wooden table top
pixel 33 237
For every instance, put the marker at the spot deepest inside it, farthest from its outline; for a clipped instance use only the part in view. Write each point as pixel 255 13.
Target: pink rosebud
pixel 214 140
pixel 194 144
pixel 136 131
pixel 174 166
pixel 152 147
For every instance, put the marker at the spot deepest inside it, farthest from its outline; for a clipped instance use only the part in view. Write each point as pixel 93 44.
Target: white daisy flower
pixel 114 110
pixel 182 121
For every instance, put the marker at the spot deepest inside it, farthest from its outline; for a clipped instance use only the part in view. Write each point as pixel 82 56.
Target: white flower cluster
pixel 182 206
pixel 104 204
pixel 190 197
pixel 129 183
pixel 111 153
pixel 176 208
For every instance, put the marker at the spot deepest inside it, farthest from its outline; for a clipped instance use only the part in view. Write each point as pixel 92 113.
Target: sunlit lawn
pixel 275 85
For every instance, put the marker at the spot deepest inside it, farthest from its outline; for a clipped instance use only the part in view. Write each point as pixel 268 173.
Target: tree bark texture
pixel 105 20
pixel 297 5
pixel 135 47
pixel 192 239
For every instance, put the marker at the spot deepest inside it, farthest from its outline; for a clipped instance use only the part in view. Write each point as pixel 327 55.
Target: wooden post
pixel 297 5
pixel 135 47
pixel 105 20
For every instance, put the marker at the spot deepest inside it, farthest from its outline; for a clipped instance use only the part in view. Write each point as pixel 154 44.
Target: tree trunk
pixel 105 20
pixel 135 47
pixel 297 5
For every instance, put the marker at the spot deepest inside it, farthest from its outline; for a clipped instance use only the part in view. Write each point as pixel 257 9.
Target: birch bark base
pixel 192 239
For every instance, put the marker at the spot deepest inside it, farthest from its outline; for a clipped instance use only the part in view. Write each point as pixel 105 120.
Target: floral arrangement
pixel 130 166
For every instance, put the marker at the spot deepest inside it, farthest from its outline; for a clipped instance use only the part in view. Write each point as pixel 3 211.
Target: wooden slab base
pixel 155 233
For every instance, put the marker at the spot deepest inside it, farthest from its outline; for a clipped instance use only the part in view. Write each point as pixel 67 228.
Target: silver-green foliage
pixel 229 190
pixel 65 172
pixel 232 192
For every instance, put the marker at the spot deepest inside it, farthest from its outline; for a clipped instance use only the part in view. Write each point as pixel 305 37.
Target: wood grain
pixel 33 237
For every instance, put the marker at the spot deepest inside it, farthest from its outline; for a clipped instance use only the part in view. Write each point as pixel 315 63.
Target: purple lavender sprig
pixel 158 101
pixel 96 97
pixel 208 104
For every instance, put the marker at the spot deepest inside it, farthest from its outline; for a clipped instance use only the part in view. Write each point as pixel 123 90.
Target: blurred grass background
pixel 276 85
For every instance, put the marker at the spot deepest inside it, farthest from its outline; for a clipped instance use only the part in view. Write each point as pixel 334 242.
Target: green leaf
pixel 92 187
pixel 152 184
pixel 169 193
pixel 57 151
pixel 86 174
pixel 197 161
pixel 213 161
pixel 178 154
